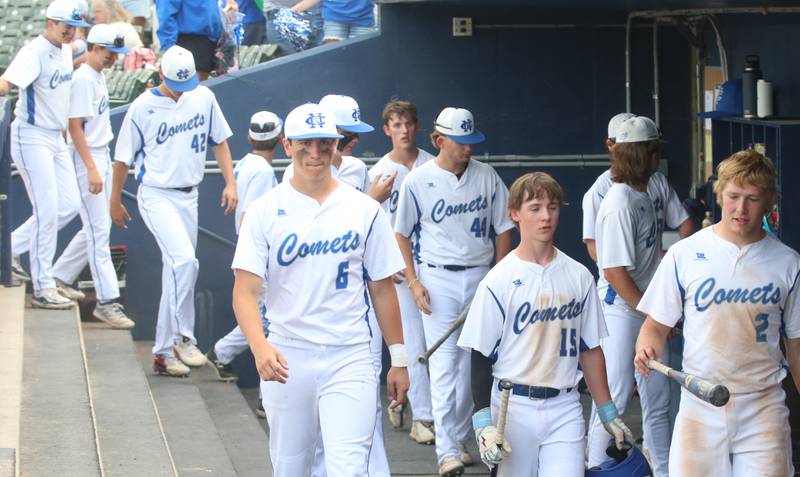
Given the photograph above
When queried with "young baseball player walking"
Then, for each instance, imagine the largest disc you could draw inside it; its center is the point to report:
(42, 70)
(89, 136)
(736, 288)
(176, 119)
(670, 212)
(254, 177)
(319, 379)
(400, 123)
(451, 204)
(536, 317)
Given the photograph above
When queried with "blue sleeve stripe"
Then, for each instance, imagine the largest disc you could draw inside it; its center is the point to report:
(369, 233)
(31, 104)
(678, 281)
(611, 295)
(500, 306)
(416, 204)
(494, 354)
(788, 294)
(142, 169)
(210, 124)
(584, 347)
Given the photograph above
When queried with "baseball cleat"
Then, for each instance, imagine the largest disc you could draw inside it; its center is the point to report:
(113, 314)
(67, 291)
(170, 366)
(466, 458)
(450, 467)
(223, 371)
(422, 432)
(18, 272)
(49, 298)
(187, 352)
(396, 415)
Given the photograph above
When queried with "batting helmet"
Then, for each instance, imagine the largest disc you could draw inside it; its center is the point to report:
(633, 465)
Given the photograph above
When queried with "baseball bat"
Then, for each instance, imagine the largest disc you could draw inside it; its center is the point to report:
(501, 416)
(714, 394)
(462, 317)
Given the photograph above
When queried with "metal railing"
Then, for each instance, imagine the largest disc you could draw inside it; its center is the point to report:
(5, 194)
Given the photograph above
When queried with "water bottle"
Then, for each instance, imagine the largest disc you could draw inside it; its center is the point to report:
(752, 73)
(707, 220)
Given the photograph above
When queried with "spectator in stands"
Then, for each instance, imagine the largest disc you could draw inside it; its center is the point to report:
(255, 24)
(343, 19)
(139, 11)
(112, 13)
(193, 24)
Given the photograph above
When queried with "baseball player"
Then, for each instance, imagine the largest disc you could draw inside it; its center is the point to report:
(319, 245)
(42, 70)
(400, 123)
(536, 317)
(345, 166)
(254, 177)
(451, 204)
(628, 252)
(668, 206)
(89, 135)
(176, 119)
(670, 212)
(736, 288)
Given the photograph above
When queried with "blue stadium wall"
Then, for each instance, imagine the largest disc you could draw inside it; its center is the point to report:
(533, 91)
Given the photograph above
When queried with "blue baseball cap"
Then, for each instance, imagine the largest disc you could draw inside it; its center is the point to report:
(458, 124)
(347, 113)
(179, 71)
(310, 121)
(729, 101)
(66, 11)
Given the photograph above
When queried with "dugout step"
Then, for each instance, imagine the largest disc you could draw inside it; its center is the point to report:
(57, 435)
(128, 428)
(193, 439)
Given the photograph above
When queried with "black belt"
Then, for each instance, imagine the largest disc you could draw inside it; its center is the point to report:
(454, 268)
(535, 392)
(185, 190)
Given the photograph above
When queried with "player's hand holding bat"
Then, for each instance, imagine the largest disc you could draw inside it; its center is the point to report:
(491, 443)
(271, 364)
(643, 355)
(609, 416)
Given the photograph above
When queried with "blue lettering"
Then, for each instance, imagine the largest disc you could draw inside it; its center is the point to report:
(441, 209)
(707, 294)
(58, 78)
(287, 255)
(568, 311)
(165, 132)
(393, 201)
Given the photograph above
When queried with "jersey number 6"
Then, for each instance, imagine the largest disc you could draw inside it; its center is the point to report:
(341, 277)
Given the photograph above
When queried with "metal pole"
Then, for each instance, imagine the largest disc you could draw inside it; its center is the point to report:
(5, 194)
(656, 106)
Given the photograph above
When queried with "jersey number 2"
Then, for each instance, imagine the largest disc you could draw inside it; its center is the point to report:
(478, 227)
(341, 277)
(573, 348)
(199, 142)
(761, 327)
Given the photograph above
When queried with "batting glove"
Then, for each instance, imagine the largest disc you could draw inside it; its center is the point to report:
(487, 436)
(609, 416)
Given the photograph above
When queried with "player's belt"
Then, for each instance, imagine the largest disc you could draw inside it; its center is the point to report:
(185, 190)
(535, 392)
(453, 268)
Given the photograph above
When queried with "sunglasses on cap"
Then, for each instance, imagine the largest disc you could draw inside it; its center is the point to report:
(263, 127)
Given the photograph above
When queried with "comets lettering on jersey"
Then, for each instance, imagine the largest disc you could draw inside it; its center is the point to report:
(571, 310)
(165, 132)
(441, 209)
(58, 78)
(763, 295)
(350, 240)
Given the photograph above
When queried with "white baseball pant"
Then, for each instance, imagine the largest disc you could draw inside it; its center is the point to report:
(91, 243)
(654, 392)
(378, 462)
(546, 435)
(329, 396)
(46, 169)
(419, 394)
(449, 366)
(171, 216)
(748, 436)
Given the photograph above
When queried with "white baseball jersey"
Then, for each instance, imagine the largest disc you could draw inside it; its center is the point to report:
(668, 207)
(254, 178)
(42, 72)
(168, 139)
(351, 171)
(453, 215)
(533, 322)
(316, 260)
(89, 99)
(627, 236)
(736, 303)
(386, 167)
